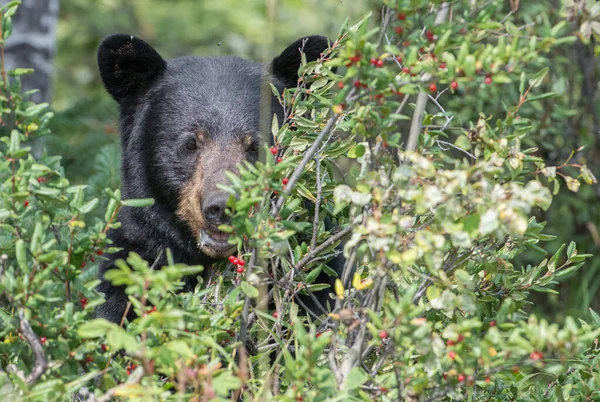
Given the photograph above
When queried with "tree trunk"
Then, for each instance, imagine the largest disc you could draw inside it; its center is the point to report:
(32, 44)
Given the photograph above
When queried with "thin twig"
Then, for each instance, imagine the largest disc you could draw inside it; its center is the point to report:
(246, 310)
(41, 363)
(313, 240)
(386, 14)
(554, 383)
(417, 120)
(440, 142)
(313, 253)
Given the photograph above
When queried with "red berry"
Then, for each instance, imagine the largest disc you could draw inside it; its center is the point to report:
(357, 84)
(374, 61)
(279, 160)
(26, 203)
(399, 59)
(82, 264)
(232, 259)
(488, 380)
(454, 85)
(461, 377)
(430, 36)
(536, 356)
(130, 368)
(406, 70)
(515, 369)
(452, 354)
(383, 334)
(492, 323)
(83, 301)
(319, 334)
(406, 43)
(89, 359)
(383, 390)
(43, 340)
(285, 181)
(488, 80)
(239, 270)
(104, 347)
(401, 16)
(275, 314)
(241, 263)
(99, 252)
(461, 338)
(355, 58)
(442, 65)
(379, 63)
(399, 30)
(432, 87)
(449, 342)
(340, 85)
(273, 150)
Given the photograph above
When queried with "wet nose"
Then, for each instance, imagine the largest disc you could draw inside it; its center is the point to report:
(213, 208)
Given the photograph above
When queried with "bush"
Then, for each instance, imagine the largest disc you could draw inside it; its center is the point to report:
(431, 304)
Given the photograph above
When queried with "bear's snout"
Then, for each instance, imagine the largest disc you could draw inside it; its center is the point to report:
(214, 206)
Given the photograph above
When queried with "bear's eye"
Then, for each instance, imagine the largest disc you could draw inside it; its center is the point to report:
(191, 144)
(253, 147)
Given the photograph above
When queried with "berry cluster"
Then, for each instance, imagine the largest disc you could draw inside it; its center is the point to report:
(238, 263)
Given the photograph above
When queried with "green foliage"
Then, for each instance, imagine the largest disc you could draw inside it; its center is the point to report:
(433, 303)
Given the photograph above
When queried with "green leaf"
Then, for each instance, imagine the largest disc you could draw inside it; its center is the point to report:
(554, 260)
(355, 379)
(94, 329)
(595, 318)
(542, 96)
(139, 202)
(571, 250)
(356, 152)
(226, 382)
(21, 255)
(537, 79)
(89, 206)
(302, 122)
(249, 290)
(180, 347)
(20, 71)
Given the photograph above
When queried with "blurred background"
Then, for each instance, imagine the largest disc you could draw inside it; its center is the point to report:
(59, 39)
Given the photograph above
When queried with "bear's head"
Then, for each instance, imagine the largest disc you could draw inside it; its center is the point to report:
(184, 123)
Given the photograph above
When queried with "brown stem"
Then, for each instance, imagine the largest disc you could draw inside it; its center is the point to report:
(41, 363)
(313, 253)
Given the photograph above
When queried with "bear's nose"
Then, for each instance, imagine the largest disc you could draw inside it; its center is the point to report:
(214, 208)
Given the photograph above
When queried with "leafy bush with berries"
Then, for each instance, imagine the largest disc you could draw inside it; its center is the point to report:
(429, 209)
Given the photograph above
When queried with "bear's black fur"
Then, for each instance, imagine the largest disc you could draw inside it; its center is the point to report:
(183, 123)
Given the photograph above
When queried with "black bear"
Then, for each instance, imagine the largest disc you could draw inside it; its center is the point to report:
(183, 123)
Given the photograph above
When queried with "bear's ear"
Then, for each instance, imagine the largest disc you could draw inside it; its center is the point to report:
(286, 65)
(127, 65)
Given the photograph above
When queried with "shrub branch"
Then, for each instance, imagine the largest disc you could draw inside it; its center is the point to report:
(41, 363)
